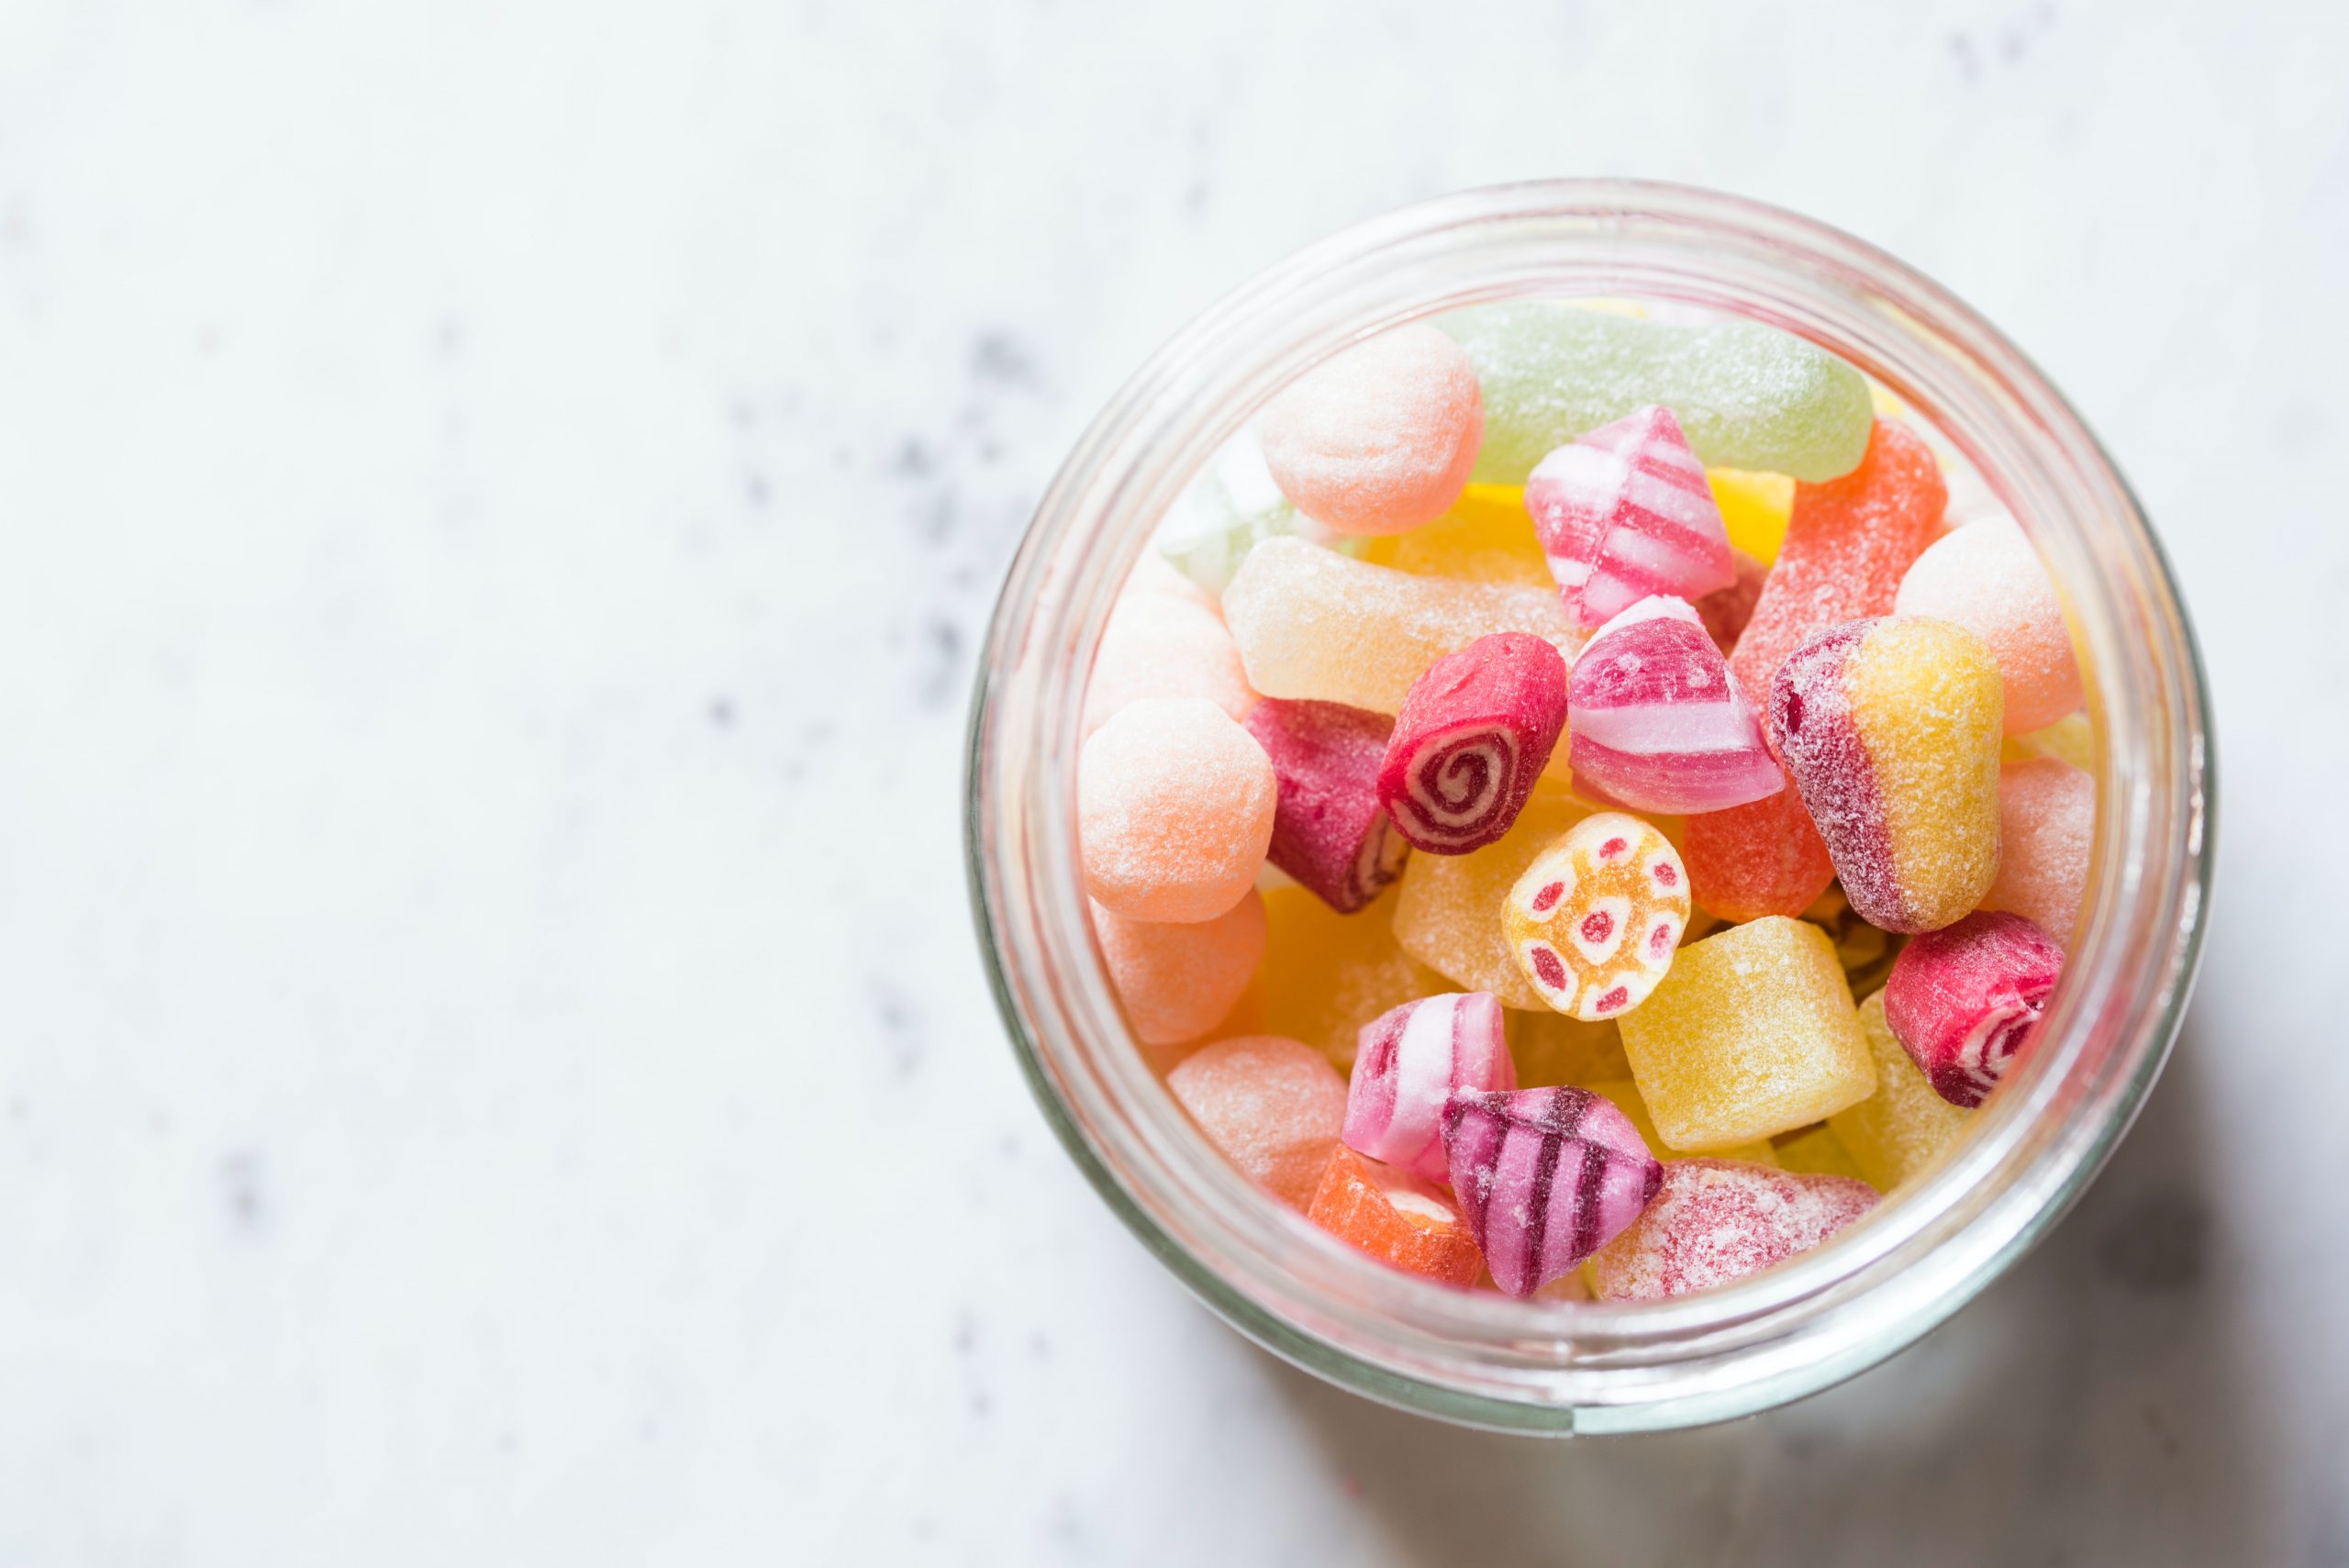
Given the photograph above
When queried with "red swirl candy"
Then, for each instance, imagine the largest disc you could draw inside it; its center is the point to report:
(1964, 1001)
(1475, 731)
(1330, 831)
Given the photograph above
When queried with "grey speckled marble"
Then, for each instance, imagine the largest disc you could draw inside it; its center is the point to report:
(498, 503)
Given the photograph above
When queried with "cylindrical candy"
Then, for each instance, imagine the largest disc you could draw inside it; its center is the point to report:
(1329, 830)
(1988, 579)
(1380, 438)
(1176, 982)
(1409, 1062)
(1596, 918)
(1272, 1107)
(1395, 1218)
(1474, 733)
(1714, 1222)
(1544, 1178)
(1890, 728)
(1657, 724)
(1623, 513)
(1964, 1001)
(1174, 810)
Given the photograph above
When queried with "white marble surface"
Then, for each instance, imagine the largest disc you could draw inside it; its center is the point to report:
(498, 502)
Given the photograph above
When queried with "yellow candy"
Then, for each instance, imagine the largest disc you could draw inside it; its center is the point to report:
(1487, 536)
(1626, 1096)
(1448, 912)
(1756, 507)
(1817, 1151)
(1896, 1132)
(1594, 920)
(2068, 740)
(1752, 1034)
(1550, 1048)
(1326, 975)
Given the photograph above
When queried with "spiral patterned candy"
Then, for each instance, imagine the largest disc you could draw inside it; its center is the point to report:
(1474, 733)
(1409, 1062)
(1964, 1001)
(1624, 513)
(1596, 918)
(1329, 830)
(1545, 1177)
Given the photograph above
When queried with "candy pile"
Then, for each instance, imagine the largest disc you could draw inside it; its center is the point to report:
(1528, 741)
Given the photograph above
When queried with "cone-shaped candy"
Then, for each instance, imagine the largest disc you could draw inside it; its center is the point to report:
(1624, 513)
(1657, 724)
(1544, 1178)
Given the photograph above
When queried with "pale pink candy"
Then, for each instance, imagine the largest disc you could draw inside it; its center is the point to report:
(1330, 832)
(1164, 639)
(1272, 1105)
(1174, 808)
(1175, 982)
(1964, 1001)
(1380, 439)
(1544, 1178)
(1624, 512)
(1988, 579)
(2046, 827)
(1409, 1062)
(1656, 723)
(1714, 1222)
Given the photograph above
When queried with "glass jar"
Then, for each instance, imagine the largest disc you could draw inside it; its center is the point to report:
(1564, 1367)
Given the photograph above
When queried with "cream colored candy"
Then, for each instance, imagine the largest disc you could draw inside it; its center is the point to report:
(1164, 639)
(1988, 579)
(1174, 810)
(1594, 922)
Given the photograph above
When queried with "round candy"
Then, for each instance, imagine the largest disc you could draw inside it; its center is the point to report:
(1162, 642)
(1988, 579)
(1596, 918)
(1381, 438)
(1177, 982)
(1272, 1105)
(1174, 810)
(2046, 831)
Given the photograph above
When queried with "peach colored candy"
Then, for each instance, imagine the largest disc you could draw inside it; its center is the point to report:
(1272, 1107)
(1174, 810)
(1395, 1218)
(2046, 825)
(1381, 438)
(1164, 639)
(1988, 579)
(1177, 982)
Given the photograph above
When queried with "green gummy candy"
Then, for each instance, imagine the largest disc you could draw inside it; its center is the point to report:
(1746, 397)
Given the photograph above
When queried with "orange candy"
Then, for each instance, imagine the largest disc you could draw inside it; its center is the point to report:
(1395, 1218)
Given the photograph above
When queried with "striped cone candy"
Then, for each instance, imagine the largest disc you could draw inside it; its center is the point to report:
(1410, 1061)
(1656, 723)
(1545, 1177)
(1474, 733)
(1624, 512)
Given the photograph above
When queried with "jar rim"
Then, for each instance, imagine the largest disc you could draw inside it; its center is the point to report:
(1577, 1365)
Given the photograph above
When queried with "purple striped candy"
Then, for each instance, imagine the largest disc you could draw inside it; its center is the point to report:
(1410, 1061)
(1545, 1177)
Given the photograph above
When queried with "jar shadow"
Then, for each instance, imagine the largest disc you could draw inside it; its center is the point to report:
(2087, 1406)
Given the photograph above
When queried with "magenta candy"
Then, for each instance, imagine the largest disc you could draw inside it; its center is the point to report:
(1477, 729)
(1965, 1000)
(1714, 1222)
(1657, 723)
(1330, 831)
(1545, 1177)
(1410, 1061)
(1624, 512)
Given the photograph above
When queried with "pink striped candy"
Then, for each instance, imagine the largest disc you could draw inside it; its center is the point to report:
(1410, 1061)
(1329, 830)
(1965, 1000)
(1477, 729)
(1545, 1177)
(1624, 512)
(1657, 724)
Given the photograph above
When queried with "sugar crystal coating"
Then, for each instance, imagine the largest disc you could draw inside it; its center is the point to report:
(1899, 1130)
(1988, 579)
(2046, 832)
(2071, 738)
(1747, 396)
(1230, 508)
(1543, 1177)
(1475, 731)
(1315, 624)
(1751, 1034)
(1594, 922)
(1272, 1107)
(1658, 724)
(1624, 1095)
(1448, 912)
(1380, 438)
(1327, 974)
(1966, 1001)
(1330, 831)
(1716, 1221)
(1395, 1218)
(1409, 1062)
(1623, 514)
(1174, 810)
(1177, 982)
(1163, 641)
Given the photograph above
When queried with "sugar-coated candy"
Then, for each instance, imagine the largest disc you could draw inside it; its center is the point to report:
(1174, 810)
(1330, 831)
(1395, 1218)
(1311, 624)
(1890, 728)
(1964, 1001)
(1988, 579)
(1714, 1222)
(1448, 910)
(1657, 723)
(1747, 396)
(1751, 1034)
(1594, 922)
(1272, 1107)
(1409, 1062)
(2046, 831)
(1379, 437)
(1164, 639)
(1623, 513)
(1624, 1095)
(1177, 982)
(2071, 738)
(1484, 537)
(1896, 1132)
(1474, 733)
(1544, 1178)
(1755, 508)
(1230, 508)
(1550, 1048)
(1725, 611)
(1816, 1150)
(1327, 974)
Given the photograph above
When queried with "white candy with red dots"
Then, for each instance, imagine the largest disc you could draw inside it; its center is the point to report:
(1596, 918)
